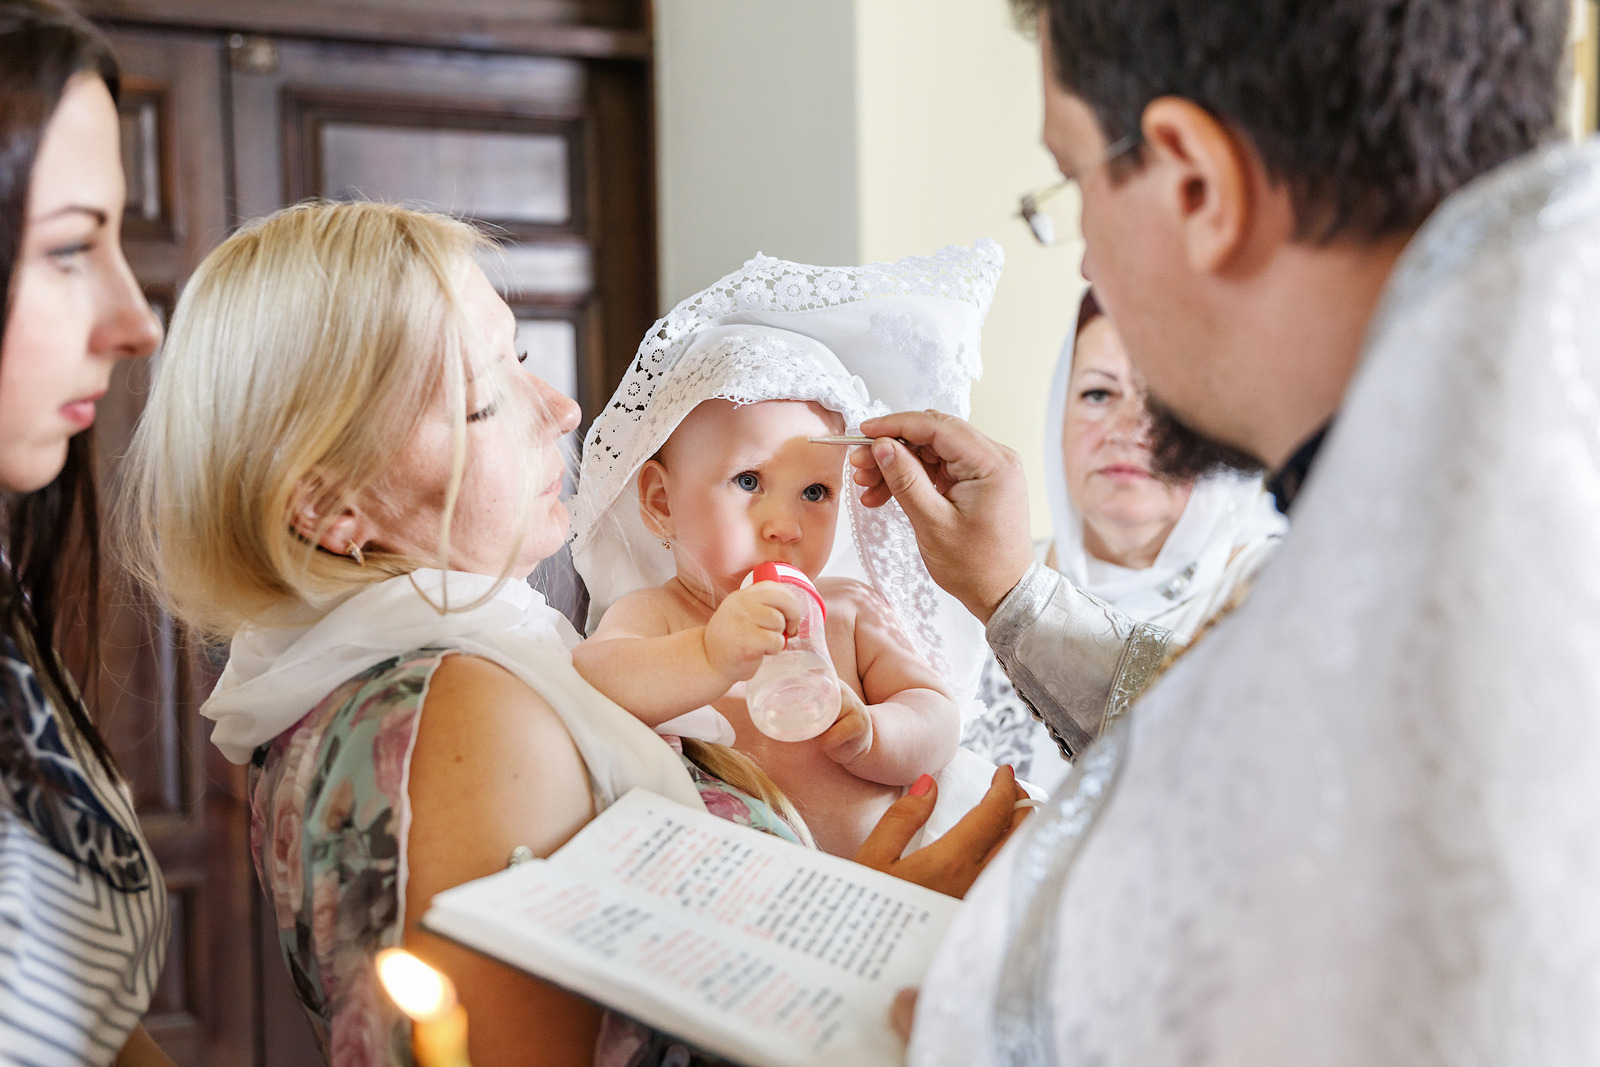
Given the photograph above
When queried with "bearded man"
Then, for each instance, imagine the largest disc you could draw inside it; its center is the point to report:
(1359, 822)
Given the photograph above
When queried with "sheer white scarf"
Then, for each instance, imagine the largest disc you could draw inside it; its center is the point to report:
(275, 676)
(1227, 516)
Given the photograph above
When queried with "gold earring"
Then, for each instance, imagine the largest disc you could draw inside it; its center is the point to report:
(666, 544)
(354, 552)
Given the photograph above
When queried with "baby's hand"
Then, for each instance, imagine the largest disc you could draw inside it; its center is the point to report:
(850, 737)
(748, 625)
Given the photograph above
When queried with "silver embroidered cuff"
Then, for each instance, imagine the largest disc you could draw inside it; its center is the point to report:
(1076, 661)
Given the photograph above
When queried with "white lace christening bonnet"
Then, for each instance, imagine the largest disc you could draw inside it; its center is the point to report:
(859, 341)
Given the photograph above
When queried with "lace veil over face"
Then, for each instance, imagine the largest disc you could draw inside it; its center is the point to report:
(860, 341)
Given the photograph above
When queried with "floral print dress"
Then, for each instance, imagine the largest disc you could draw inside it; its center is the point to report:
(329, 816)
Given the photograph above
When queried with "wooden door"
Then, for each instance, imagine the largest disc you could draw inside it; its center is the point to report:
(153, 677)
(551, 154)
(534, 149)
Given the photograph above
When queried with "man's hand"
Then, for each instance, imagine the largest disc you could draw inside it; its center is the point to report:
(964, 494)
(903, 1012)
(951, 864)
(849, 739)
(748, 625)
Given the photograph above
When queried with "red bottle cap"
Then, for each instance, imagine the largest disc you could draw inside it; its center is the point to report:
(783, 572)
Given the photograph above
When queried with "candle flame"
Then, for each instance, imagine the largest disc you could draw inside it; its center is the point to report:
(419, 990)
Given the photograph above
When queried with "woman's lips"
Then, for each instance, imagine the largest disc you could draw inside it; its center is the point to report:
(80, 412)
(1124, 472)
(554, 488)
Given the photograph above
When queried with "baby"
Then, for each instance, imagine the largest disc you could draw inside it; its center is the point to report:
(736, 485)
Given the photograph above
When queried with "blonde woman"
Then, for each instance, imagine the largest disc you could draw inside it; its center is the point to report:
(343, 470)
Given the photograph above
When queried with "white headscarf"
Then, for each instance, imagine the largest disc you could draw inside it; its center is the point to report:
(274, 676)
(857, 340)
(1360, 823)
(1226, 515)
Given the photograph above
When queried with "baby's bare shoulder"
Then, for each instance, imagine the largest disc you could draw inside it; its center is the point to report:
(858, 602)
(649, 612)
(847, 594)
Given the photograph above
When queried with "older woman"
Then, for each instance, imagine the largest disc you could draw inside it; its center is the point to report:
(343, 469)
(83, 911)
(1173, 554)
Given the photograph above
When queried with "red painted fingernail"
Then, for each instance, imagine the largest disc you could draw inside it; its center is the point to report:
(921, 786)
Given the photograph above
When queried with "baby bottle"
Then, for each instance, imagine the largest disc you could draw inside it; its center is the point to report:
(794, 695)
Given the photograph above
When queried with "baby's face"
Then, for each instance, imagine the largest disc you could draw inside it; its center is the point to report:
(744, 486)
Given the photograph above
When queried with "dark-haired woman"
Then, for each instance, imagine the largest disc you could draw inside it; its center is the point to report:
(83, 911)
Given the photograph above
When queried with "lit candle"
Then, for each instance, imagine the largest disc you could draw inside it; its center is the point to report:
(438, 1023)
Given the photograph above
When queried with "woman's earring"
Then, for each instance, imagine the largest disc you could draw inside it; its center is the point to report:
(354, 552)
(666, 544)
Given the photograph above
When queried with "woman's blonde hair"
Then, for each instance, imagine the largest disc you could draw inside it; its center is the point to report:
(303, 351)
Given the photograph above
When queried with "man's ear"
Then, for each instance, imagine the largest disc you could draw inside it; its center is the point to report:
(655, 507)
(1212, 183)
(347, 528)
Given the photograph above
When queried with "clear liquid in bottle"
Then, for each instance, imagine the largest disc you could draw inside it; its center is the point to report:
(794, 695)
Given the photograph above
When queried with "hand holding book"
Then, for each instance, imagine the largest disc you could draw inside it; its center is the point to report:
(735, 941)
(952, 863)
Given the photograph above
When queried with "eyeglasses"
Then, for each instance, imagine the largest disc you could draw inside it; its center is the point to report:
(1031, 209)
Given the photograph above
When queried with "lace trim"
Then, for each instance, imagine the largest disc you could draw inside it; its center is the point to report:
(889, 554)
(1141, 662)
(727, 371)
(767, 284)
(1022, 1030)
(662, 387)
(897, 331)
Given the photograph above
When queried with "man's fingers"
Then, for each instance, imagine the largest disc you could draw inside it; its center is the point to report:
(899, 825)
(905, 476)
(942, 442)
(877, 496)
(914, 427)
(988, 824)
(902, 1012)
(1018, 817)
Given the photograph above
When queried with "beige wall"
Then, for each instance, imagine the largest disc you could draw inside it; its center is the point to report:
(866, 130)
(755, 128)
(949, 103)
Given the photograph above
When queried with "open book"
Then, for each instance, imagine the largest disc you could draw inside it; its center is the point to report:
(738, 943)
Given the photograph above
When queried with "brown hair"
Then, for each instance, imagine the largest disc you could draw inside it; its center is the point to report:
(52, 535)
(1088, 311)
(1372, 111)
(256, 413)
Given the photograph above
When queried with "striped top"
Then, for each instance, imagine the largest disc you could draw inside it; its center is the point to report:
(83, 910)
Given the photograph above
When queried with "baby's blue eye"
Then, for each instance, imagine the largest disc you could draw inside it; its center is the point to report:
(815, 492)
(747, 481)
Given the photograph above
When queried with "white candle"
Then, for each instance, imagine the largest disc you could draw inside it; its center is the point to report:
(438, 1022)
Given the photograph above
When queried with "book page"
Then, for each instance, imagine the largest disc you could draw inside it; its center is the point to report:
(746, 945)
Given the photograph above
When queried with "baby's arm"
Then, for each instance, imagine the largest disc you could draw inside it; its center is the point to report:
(635, 659)
(910, 725)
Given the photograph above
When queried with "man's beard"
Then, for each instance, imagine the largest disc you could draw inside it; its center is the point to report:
(1180, 454)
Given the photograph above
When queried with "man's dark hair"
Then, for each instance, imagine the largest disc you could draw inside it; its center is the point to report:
(1373, 111)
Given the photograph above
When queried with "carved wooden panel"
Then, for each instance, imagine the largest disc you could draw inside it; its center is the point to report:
(502, 177)
(145, 113)
(153, 676)
(601, 29)
(532, 115)
(512, 141)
